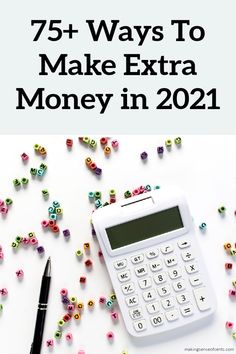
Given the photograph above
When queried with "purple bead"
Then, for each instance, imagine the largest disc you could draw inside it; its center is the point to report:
(160, 149)
(40, 249)
(65, 300)
(144, 155)
(66, 233)
(93, 232)
(98, 171)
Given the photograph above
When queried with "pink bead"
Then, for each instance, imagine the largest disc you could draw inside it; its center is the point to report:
(115, 144)
(4, 210)
(81, 352)
(135, 192)
(102, 300)
(44, 223)
(232, 292)
(0, 248)
(34, 241)
(64, 292)
(1, 202)
(100, 255)
(1, 256)
(20, 274)
(229, 324)
(50, 343)
(69, 337)
(110, 335)
(25, 240)
(24, 157)
(71, 307)
(141, 189)
(3, 292)
(115, 316)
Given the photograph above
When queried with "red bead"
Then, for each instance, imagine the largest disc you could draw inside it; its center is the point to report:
(228, 265)
(103, 141)
(82, 280)
(88, 263)
(51, 223)
(93, 166)
(69, 142)
(55, 229)
(67, 317)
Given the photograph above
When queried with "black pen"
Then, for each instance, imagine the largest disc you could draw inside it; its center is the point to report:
(42, 309)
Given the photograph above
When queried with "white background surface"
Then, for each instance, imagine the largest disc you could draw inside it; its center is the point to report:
(204, 168)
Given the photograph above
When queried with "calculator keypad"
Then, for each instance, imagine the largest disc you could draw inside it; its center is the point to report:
(162, 286)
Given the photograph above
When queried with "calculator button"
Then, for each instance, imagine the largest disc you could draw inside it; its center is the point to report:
(128, 288)
(155, 266)
(145, 283)
(137, 259)
(167, 249)
(124, 276)
(120, 264)
(152, 254)
(149, 295)
(175, 273)
(179, 285)
(160, 278)
(170, 261)
(186, 310)
(157, 320)
(140, 325)
(132, 300)
(202, 299)
(168, 303)
(191, 268)
(135, 314)
(164, 290)
(153, 308)
(140, 271)
(187, 256)
(195, 280)
(183, 244)
(183, 298)
(172, 315)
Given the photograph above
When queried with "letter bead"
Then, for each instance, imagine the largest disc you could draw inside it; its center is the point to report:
(114, 316)
(20, 274)
(69, 337)
(234, 283)
(102, 300)
(80, 306)
(109, 304)
(160, 150)
(113, 297)
(234, 335)
(127, 194)
(45, 193)
(98, 171)
(24, 157)
(66, 233)
(50, 343)
(69, 143)
(233, 251)
(16, 182)
(67, 317)
(8, 201)
(65, 300)
(103, 141)
(33, 171)
(44, 223)
(4, 210)
(115, 144)
(228, 265)
(232, 292)
(87, 246)
(203, 226)
(64, 292)
(40, 250)
(61, 323)
(144, 155)
(88, 161)
(97, 195)
(4, 292)
(55, 229)
(178, 141)
(82, 280)
(24, 180)
(93, 144)
(88, 263)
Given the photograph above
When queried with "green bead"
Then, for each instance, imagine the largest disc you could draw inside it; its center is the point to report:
(233, 251)
(15, 245)
(105, 204)
(61, 323)
(168, 143)
(8, 201)
(37, 147)
(124, 352)
(112, 193)
(56, 204)
(33, 171)
(221, 210)
(234, 335)
(93, 144)
(79, 253)
(148, 187)
(1, 307)
(24, 180)
(86, 140)
(97, 195)
(45, 193)
(19, 239)
(16, 182)
(73, 299)
(156, 187)
(43, 166)
(57, 334)
(53, 216)
(127, 194)
(178, 140)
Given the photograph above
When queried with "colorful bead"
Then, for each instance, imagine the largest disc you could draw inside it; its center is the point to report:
(98, 171)
(14, 245)
(69, 143)
(93, 144)
(168, 143)
(73, 299)
(203, 226)
(233, 251)
(58, 334)
(59, 211)
(55, 229)
(127, 194)
(1, 256)
(156, 187)
(45, 193)
(114, 316)
(229, 324)
(20, 274)
(234, 335)
(160, 150)
(86, 139)
(76, 316)
(109, 303)
(87, 246)
(80, 305)
(51, 223)
(91, 303)
(33, 241)
(228, 265)
(16, 182)
(91, 195)
(56, 204)
(70, 307)
(107, 150)
(42, 151)
(33, 171)
(19, 239)
(232, 292)
(112, 193)
(40, 250)
(110, 335)
(40, 172)
(97, 195)
(135, 191)
(93, 166)
(24, 156)
(65, 300)
(102, 300)
(64, 292)
(4, 210)
(61, 323)
(82, 280)
(69, 337)
(113, 297)
(8, 201)
(103, 141)
(98, 203)
(79, 253)
(50, 343)
(43, 166)
(25, 240)
(37, 147)
(227, 246)
(67, 317)
(1, 307)
(115, 144)
(148, 187)
(3, 292)
(53, 216)
(144, 155)
(88, 263)
(234, 283)
(178, 141)
(112, 200)
(66, 233)
(88, 161)
(44, 223)
(221, 210)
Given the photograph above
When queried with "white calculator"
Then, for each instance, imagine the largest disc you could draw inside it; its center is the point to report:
(154, 262)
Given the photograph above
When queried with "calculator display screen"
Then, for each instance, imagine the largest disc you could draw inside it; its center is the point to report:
(145, 227)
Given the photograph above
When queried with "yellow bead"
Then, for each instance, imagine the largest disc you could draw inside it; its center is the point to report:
(113, 297)
(227, 246)
(234, 283)
(233, 251)
(86, 246)
(73, 299)
(168, 143)
(80, 305)
(107, 150)
(91, 303)
(77, 316)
